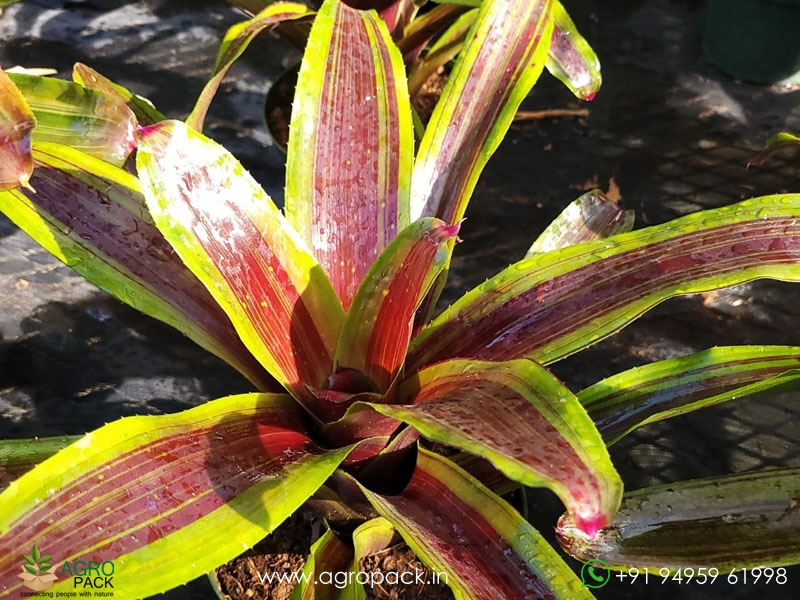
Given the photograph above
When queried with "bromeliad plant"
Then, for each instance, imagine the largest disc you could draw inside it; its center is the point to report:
(427, 39)
(389, 422)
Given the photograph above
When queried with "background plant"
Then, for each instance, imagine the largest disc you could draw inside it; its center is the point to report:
(428, 34)
(475, 361)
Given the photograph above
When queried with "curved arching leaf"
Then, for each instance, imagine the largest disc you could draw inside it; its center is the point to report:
(351, 145)
(231, 235)
(523, 420)
(91, 216)
(504, 56)
(551, 305)
(233, 45)
(572, 60)
(479, 545)
(667, 388)
(142, 491)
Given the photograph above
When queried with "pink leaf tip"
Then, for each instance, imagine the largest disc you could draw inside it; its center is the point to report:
(445, 232)
(590, 526)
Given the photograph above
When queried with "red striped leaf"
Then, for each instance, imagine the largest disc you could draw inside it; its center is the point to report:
(551, 305)
(377, 330)
(504, 56)
(233, 238)
(478, 544)
(91, 215)
(142, 491)
(351, 145)
(523, 420)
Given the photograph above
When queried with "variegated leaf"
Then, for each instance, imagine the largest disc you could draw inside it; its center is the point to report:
(141, 491)
(571, 58)
(234, 239)
(551, 305)
(142, 108)
(70, 114)
(524, 421)
(377, 330)
(16, 123)
(504, 57)
(91, 216)
(351, 145)
(474, 541)
(590, 217)
(667, 388)
(732, 523)
(235, 42)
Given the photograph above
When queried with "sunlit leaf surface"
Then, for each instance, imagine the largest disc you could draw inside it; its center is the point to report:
(91, 215)
(234, 239)
(551, 305)
(70, 114)
(664, 389)
(351, 145)
(524, 421)
(142, 491)
(16, 123)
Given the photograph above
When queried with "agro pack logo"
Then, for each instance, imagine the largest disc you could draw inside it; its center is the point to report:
(91, 574)
(38, 574)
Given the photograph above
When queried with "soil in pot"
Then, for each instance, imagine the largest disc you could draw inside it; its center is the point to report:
(285, 551)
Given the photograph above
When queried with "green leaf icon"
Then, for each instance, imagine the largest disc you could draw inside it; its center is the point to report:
(29, 560)
(45, 567)
(35, 553)
(45, 559)
(31, 570)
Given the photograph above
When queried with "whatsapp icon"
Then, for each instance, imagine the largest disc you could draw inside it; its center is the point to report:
(592, 576)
